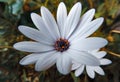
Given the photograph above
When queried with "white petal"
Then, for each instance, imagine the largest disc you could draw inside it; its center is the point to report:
(100, 54)
(37, 20)
(32, 47)
(72, 19)
(79, 71)
(50, 22)
(83, 57)
(30, 59)
(86, 18)
(92, 27)
(64, 64)
(90, 72)
(35, 35)
(99, 70)
(87, 44)
(46, 61)
(89, 28)
(61, 16)
(75, 66)
(105, 61)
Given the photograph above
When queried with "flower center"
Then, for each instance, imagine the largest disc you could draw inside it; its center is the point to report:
(61, 45)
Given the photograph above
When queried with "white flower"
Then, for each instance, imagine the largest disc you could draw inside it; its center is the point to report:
(62, 41)
(79, 68)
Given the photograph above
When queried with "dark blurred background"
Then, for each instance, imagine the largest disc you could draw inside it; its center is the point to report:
(17, 12)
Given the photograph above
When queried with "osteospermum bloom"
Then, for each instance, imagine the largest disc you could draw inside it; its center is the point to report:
(62, 41)
(79, 68)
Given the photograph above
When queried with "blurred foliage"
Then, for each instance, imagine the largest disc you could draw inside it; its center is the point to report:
(17, 12)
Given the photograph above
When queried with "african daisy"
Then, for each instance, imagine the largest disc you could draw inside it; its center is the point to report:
(62, 41)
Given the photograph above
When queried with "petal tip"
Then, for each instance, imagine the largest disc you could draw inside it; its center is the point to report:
(15, 46)
(92, 10)
(101, 20)
(32, 15)
(77, 75)
(22, 62)
(110, 62)
(78, 4)
(36, 68)
(106, 42)
(20, 27)
(43, 8)
(62, 3)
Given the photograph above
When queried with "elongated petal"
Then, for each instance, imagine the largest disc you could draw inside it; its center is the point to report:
(61, 16)
(46, 61)
(92, 27)
(105, 61)
(86, 18)
(88, 44)
(32, 47)
(64, 64)
(89, 28)
(72, 19)
(30, 59)
(83, 57)
(99, 70)
(35, 35)
(84, 21)
(39, 23)
(90, 72)
(79, 71)
(50, 23)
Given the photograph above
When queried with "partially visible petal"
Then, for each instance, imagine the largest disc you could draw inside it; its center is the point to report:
(50, 23)
(30, 59)
(75, 66)
(61, 16)
(64, 64)
(87, 44)
(99, 70)
(32, 47)
(83, 57)
(35, 35)
(79, 71)
(105, 61)
(90, 72)
(46, 61)
(84, 21)
(72, 19)
(99, 54)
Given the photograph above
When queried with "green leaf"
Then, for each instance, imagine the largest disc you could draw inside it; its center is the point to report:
(76, 79)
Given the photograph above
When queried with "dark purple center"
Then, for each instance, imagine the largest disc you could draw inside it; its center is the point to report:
(61, 45)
